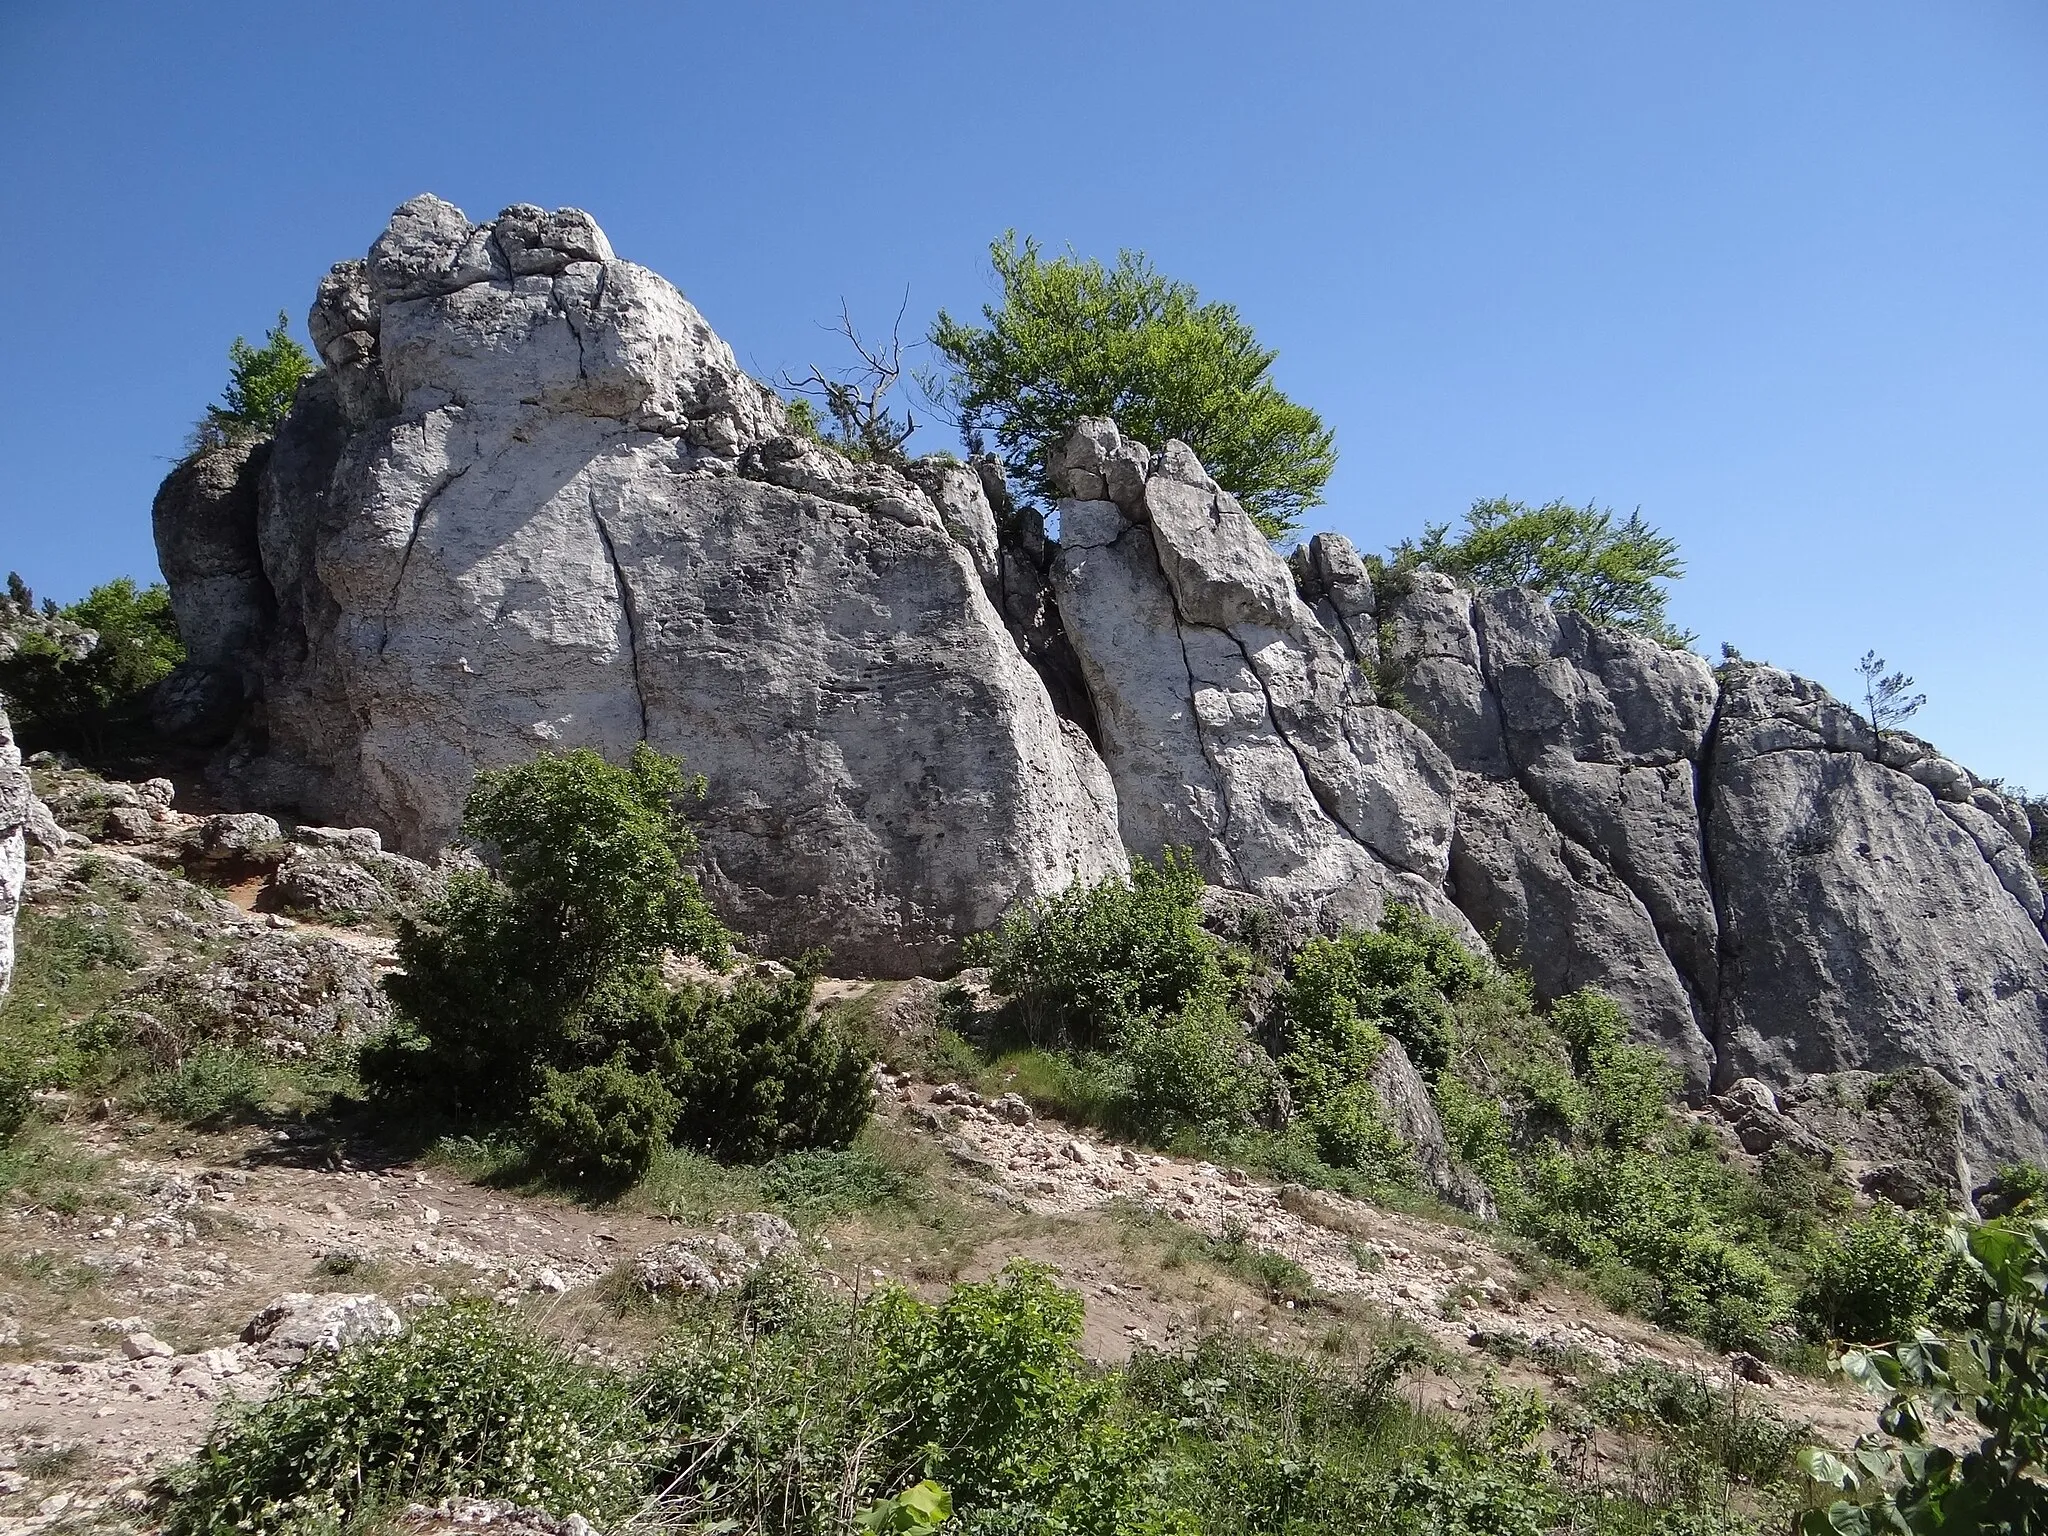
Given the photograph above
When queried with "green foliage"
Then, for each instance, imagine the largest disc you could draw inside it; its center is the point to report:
(1911, 1481)
(498, 976)
(988, 1394)
(819, 1184)
(1745, 1440)
(1083, 965)
(601, 1126)
(1569, 1124)
(1195, 1068)
(788, 1410)
(1575, 556)
(917, 1508)
(764, 1076)
(1343, 998)
(213, 1084)
(1871, 1282)
(262, 383)
(1401, 979)
(531, 993)
(65, 692)
(466, 1403)
(1074, 338)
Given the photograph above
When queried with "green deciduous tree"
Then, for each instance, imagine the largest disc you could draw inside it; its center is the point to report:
(262, 383)
(513, 969)
(66, 689)
(1073, 338)
(1576, 556)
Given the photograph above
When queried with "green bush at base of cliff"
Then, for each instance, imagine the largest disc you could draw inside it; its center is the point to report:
(531, 996)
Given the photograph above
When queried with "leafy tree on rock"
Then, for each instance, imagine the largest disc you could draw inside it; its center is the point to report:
(1073, 338)
(78, 676)
(1576, 556)
(262, 383)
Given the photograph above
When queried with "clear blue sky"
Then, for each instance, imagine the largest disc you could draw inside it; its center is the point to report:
(1777, 274)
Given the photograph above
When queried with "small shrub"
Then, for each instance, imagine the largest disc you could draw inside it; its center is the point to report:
(467, 1403)
(1870, 1283)
(765, 1075)
(590, 890)
(1403, 978)
(213, 1084)
(818, 1185)
(1084, 965)
(600, 1126)
(1195, 1068)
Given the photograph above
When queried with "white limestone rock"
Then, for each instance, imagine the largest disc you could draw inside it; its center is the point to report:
(540, 506)
(1231, 721)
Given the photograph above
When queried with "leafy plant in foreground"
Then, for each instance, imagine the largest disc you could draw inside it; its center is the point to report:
(466, 1403)
(1916, 1484)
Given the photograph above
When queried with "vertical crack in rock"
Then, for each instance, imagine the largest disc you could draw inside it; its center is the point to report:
(1181, 626)
(1315, 790)
(1705, 1019)
(604, 535)
(419, 519)
(1703, 808)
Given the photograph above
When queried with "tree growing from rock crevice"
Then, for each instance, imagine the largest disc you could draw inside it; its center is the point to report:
(262, 383)
(1578, 557)
(1074, 338)
(1888, 699)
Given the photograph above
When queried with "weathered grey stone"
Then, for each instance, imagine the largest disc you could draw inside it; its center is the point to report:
(2007, 857)
(1334, 582)
(1604, 728)
(299, 1323)
(315, 882)
(1411, 1115)
(1861, 925)
(204, 520)
(578, 522)
(1553, 908)
(1231, 721)
(285, 994)
(1898, 1134)
(17, 797)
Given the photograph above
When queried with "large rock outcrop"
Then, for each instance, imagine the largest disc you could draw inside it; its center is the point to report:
(1231, 720)
(1769, 890)
(534, 502)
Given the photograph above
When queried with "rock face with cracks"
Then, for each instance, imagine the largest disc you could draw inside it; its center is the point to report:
(532, 502)
(1768, 889)
(16, 801)
(1231, 720)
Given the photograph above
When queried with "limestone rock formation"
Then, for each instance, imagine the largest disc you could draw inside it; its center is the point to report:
(16, 798)
(534, 502)
(1231, 721)
(1862, 926)
(1767, 889)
